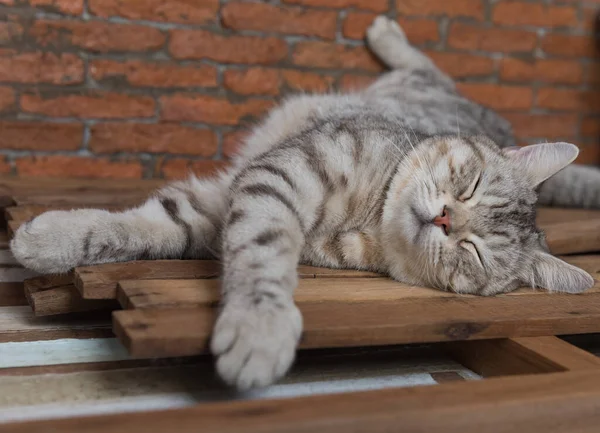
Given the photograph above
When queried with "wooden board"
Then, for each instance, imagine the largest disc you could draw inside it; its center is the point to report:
(550, 403)
(27, 212)
(550, 215)
(83, 199)
(63, 300)
(181, 332)
(100, 282)
(573, 237)
(526, 355)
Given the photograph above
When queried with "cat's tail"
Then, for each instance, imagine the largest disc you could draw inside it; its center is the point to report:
(574, 186)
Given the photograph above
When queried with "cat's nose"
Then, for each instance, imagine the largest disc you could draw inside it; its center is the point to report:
(443, 221)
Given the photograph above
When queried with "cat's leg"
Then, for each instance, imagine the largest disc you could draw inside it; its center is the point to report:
(574, 186)
(181, 220)
(274, 203)
(387, 39)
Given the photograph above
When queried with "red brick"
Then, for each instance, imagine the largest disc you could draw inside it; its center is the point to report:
(356, 24)
(232, 141)
(158, 138)
(569, 45)
(589, 154)
(590, 127)
(40, 136)
(41, 68)
(460, 65)
(332, 56)
(420, 30)
(154, 74)
(568, 99)
(70, 7)
(469, 37)
(219, 111)
(371, 5)
(498, 97)
(548, 71)
(96, 36)
(253, 81)
(181, 168)
(588, 18)
(7, 99)
(549, 126)
(77, 167)
(173, 11)
(454, 8)
(282, 19)
(101, 105)
(5, 167)
(517, 13)
(351, 82)
(10, 32)
(202, 44)
(307, 81)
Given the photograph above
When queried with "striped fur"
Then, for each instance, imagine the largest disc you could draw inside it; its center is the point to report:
(343, 181)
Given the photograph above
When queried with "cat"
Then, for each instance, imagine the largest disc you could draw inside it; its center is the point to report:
(406, 177)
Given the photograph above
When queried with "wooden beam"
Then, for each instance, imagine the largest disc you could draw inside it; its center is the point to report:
(526, 355)
(400, 320)
(100, 282)
(550, 215)
(573, 236)
(549, 403)
(63, 300)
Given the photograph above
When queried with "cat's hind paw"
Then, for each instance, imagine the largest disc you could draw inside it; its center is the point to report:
(256, 344)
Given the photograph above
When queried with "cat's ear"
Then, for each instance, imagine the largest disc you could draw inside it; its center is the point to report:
(555, 275)
(541, 161)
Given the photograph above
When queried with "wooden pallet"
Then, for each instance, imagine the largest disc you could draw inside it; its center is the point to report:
(165, 309)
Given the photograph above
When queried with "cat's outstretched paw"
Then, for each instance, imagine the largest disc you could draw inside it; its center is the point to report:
(256, 344)
(55, 241)
(385, 31)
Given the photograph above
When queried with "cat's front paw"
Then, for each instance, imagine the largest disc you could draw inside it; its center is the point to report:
(53, 242)
(385, 30)
(255, 344)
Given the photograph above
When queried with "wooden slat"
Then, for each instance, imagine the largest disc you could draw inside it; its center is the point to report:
(27, 212)
(526, 355)
(550, 215)
(12, 294)
(19, 324)
(573, 237)
(181, 332)
(190, 293)
(100, 282)
(550, 403)
(4, 239)
(83, 199)
(63, 300)
(45, 282)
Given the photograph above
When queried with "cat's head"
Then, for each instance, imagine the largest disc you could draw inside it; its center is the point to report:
(460, 216)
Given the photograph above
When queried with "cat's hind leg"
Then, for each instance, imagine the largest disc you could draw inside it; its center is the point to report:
(181, 220)
(387, 39)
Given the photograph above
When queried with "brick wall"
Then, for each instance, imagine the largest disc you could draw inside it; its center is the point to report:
(153, 88)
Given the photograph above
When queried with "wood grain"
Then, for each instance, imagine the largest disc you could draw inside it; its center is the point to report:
(63, 300)
(100, 282)
(573, 236)
(550, 403)
(182, 332)
(526, 355)
(19, 324)
(550, 215)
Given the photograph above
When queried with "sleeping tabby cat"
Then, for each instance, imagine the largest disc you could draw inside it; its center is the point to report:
(406, 178)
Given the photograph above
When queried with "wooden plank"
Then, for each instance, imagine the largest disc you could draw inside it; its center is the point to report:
(45, 282)
(130, 198)
(12, 294)
(182, 332)
(64, 300)
(573, 237)
(526, 355)
(192, 293)
(19, 324)
(550, 403)
(27, 212)
(100, 282)
(550, 215)
(4, 239)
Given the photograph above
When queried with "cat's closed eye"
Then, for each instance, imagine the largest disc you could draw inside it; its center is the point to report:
(471, 248)
(468, 194)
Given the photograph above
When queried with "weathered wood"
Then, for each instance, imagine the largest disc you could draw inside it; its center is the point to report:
(45, 282)
(526, 355)
(550, 403)
(63, 300)
(192, 293)
(19, 324)
(100, 282)
(573, 237)
(181, 332)
(550, 215)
